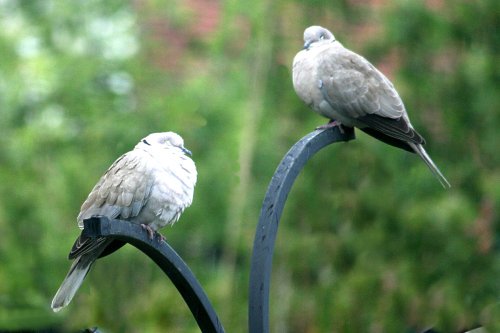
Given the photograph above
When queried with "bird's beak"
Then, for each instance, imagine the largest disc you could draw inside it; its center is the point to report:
(307, 44)
(187, 151)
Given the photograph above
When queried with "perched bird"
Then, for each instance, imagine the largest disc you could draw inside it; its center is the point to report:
(150, 185)
(344, 87)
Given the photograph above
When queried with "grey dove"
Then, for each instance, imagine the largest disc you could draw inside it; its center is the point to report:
(344, 87)
(150, 185)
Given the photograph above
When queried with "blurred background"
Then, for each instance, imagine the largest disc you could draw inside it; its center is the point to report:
(369, 240)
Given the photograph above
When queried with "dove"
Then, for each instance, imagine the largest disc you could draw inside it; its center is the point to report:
(150, 185)
(343, 86)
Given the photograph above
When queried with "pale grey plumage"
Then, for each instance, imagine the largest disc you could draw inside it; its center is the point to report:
(343, 86)
(150, 185)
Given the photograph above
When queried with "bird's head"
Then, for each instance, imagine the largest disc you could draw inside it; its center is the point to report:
(164, 140)
(315, 35)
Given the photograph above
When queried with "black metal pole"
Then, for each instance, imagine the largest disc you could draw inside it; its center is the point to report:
(274, 201)
(167, 259)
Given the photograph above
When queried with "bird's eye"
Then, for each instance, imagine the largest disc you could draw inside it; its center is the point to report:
(322, 37)
(144, 141)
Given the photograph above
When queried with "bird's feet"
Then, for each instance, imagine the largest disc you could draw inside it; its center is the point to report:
(150, 231)
(330, 124)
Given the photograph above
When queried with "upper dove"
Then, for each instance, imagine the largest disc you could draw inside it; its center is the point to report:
(150, 185)
(344, 87)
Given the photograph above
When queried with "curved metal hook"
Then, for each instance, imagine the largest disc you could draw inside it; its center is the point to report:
(167, 259)
(270, 214)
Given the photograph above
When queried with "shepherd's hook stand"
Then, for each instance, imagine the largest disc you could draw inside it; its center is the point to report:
(167, 259)
(270, 214)
(260, 272)
(263, 247)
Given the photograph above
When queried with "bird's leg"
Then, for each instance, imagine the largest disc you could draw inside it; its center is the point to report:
(332, 123)
(150, 231)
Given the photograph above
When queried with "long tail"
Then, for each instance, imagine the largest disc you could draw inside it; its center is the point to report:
(74, 278)
(430, 164)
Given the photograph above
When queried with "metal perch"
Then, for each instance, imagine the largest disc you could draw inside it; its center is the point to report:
(261, 263)
(167, 259)
(270, 214)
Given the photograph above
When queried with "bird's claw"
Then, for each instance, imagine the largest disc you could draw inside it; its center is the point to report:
(330, 124)
(150, 231)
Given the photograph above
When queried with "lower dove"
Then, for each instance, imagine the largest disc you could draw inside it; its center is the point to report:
(150, 185)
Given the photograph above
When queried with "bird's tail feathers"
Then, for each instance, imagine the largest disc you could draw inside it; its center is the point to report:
(430, 164)
(72, 281)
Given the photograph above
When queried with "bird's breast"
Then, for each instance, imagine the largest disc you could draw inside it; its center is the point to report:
(308, 83)
(304, 75)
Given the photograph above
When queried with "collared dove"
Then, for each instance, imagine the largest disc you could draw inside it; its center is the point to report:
(344, 87)
(150, 185)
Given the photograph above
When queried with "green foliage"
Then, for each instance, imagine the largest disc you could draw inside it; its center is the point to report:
(369, 241)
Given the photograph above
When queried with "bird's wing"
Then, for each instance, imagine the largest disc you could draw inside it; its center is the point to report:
(123, 190)
(355, 86)
(356, 89)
